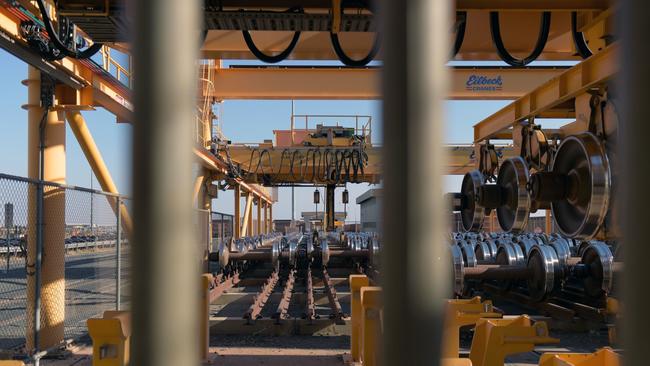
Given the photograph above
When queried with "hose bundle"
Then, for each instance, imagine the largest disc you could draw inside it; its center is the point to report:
(328, 165)
(542, 38)
(66, 29)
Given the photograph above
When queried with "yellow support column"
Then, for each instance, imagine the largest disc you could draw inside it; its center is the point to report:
(548, 222)
(371, 328)
(249, 207)
(265, 226)
(356, 283)
(94, 157)
(270, 217)
(259, 216)
(247, 226)
(53, 264)
(491, 218)
(237, 218)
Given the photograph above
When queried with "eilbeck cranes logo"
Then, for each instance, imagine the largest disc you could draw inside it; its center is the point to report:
(484, 83)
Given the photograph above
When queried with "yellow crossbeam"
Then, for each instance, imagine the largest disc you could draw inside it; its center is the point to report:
(493, 83)
(594, 71)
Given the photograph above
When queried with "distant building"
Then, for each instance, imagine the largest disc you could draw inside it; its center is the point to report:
(370, 207)
(9, 215)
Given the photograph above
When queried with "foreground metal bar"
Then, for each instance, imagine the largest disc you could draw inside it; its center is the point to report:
(335, 305)
(415, 276)
(634, 203)
(261, 298)
(283, 308)
(165, 325)
(118, 255)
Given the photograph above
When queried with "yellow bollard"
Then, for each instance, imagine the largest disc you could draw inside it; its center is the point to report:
(204, 317)
(371, 326)
(461, 312)
(603, 357)
(494, 339)
(356, 283)
(111, 337)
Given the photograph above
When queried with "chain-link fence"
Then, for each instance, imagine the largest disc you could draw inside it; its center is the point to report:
(68, 240)
(222, 231)
(222, 226)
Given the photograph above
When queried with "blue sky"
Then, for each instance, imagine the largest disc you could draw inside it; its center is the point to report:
(246, 121)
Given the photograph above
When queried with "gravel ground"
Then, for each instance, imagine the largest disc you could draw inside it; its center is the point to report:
(329, 350)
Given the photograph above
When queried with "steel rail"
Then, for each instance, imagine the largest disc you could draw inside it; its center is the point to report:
(335, 305)
(219, 287)
(282, 312)
(261, 298)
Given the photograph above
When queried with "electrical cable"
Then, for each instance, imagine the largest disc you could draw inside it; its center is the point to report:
(89, 52)
(461, 23)
(280, 56)
(579, 38)
(347, 60)
(542, 38)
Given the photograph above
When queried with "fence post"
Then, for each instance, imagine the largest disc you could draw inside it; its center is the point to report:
(118, 260)
(7, 242)
(37, 267)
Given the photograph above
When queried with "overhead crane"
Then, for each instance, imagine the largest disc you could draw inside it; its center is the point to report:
(234, 30)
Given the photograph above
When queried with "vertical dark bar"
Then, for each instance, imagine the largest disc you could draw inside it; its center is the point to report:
(165, 325)
(634, 133)
(415, 274)
(118, 255)
(330, 211)
(37, 268)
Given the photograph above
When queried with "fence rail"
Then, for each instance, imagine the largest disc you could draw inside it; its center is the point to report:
(93, 251)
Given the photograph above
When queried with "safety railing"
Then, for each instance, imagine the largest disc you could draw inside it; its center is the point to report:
(362, 123)
(70, 240)
(204, 114)
(114, 67)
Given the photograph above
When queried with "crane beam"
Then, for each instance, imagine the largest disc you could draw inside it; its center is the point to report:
(468, 83)
(91, 86)
(594, 71)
